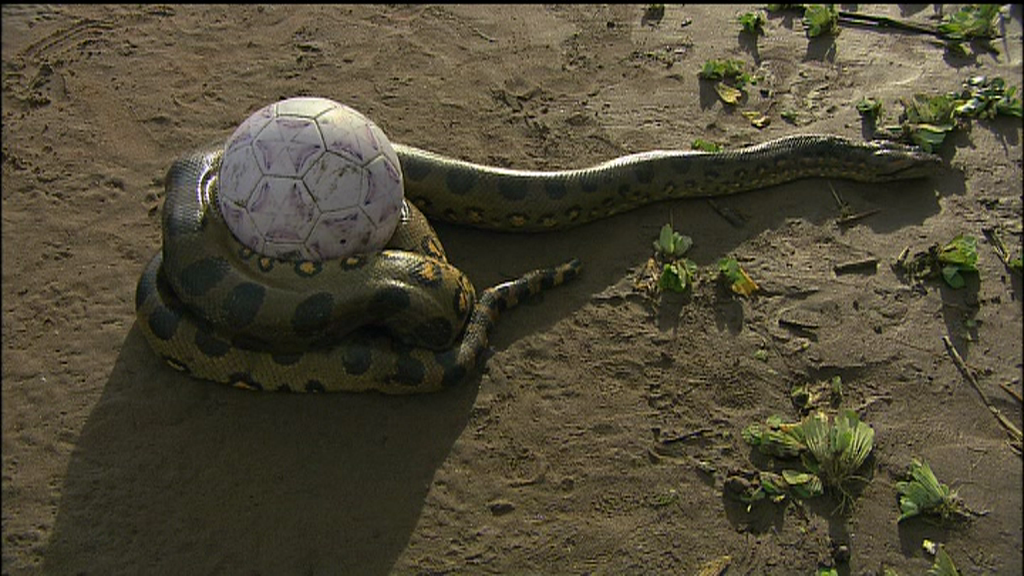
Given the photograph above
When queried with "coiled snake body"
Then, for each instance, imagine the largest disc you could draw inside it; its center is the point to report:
(404, 319)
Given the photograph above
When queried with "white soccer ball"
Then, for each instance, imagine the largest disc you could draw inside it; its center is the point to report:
(310, 179)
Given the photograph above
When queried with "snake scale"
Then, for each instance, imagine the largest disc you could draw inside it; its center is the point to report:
(404, 319)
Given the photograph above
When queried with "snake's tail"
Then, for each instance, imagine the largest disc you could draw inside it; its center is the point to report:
(492, 302)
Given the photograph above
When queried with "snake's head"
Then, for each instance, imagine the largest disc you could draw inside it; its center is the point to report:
(895, 161)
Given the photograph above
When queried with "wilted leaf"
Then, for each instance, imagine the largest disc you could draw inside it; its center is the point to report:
(757, 119)
(737, 278)
(728, 94)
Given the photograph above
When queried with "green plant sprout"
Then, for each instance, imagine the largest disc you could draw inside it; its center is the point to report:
(821, 19)
(830, 451)
(678, 273)
(924, 494)
(752, 23)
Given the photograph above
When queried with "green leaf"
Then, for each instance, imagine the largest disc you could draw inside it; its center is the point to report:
(961, 251)
(803, 485)
(705, 145)
(869, 108)
(929, 136)
(672, 244)
(821, 19)
(972, 21)
(678, 276)
(725, 69)
(775, 438)
(737, 278)
(924, 494)
(943, 564)
(952, 276)
(752, 23)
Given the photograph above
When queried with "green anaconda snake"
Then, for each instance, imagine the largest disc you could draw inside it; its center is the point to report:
(404, 319)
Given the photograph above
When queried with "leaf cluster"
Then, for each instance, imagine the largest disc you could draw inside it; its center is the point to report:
(752, 23)
(869, 108)
(729, 77)
(972, 21)
(821, 19)
(924, 494)
(831, 451)
(951, 261)
(678, 273)
(927, 119)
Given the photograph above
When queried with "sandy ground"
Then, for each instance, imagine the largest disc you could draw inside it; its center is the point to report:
(599, 436)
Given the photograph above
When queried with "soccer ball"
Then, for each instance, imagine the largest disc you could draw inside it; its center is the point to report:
(310, 179)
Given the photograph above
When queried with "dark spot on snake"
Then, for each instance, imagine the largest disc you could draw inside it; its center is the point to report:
(427, 273)
(313, 313)
(421, 202)
(589, 183)
(501, 299)
(408, 371)
(624, 190)
(388, 302)
(432, 247)
(244, 380)
(314, 386)
(644, 173)
(163, 322)
(461, 301)
(414, 170)
(512, 188)
(435, 333)
(460, 181)
(453, 372)
(211, 345)
(680, 164)
(248, 342)
(199, 277)
(284, 389)
(286, 359)
(712, 174)
(243, 303)
(356, 357)
(308, 268)
(555, 189)
(549, 279)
